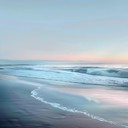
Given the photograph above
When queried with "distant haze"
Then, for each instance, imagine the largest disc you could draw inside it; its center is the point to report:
(89, 30)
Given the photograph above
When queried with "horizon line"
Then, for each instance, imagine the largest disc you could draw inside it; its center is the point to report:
(84, 61)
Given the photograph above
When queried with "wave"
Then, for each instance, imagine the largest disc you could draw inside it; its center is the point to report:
(84, 75)
(34, 94)
(119, 71)
(66, 76)
(109, 72)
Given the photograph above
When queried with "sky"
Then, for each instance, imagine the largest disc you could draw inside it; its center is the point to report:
(88, 30)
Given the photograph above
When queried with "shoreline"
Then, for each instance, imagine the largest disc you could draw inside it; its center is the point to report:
(19, 109)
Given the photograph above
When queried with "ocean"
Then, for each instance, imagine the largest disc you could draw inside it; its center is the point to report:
(98, 91)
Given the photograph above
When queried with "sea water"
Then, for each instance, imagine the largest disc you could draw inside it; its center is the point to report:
(99, 91)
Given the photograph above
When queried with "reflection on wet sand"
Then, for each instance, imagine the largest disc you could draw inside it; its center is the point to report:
(107, 96)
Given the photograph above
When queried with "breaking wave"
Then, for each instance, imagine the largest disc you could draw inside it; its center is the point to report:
(109, 72)
(105, 75)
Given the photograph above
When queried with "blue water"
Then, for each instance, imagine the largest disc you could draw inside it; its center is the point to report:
(75, 75)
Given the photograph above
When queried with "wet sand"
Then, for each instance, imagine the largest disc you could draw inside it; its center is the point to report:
(19, 110)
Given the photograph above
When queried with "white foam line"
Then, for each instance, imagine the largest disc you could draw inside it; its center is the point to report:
(57, 105)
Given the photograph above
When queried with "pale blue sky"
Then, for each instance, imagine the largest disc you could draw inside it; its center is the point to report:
(64, 29)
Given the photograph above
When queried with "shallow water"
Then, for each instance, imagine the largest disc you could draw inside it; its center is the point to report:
(96, 102)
